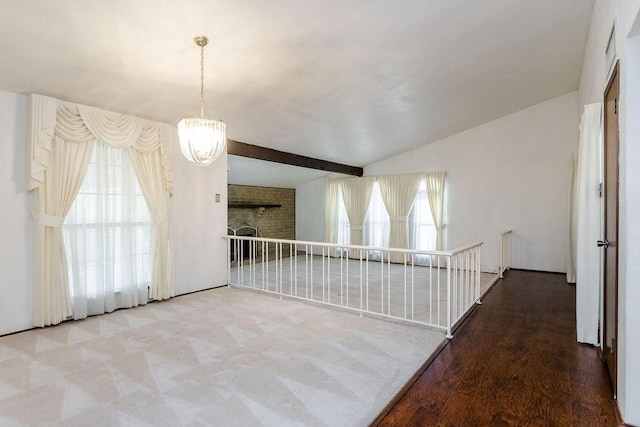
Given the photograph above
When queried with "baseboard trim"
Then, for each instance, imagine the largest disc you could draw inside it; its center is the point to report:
(537, 271)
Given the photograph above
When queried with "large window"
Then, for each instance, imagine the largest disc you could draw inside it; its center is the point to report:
(421, 228)
(376, 223)
(108, 237)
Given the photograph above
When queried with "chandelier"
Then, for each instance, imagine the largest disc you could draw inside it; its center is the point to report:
(202, 140)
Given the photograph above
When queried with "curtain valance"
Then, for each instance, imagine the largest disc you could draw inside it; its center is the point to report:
(76, 123)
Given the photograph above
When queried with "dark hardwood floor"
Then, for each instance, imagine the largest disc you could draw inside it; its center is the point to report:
(515, 361)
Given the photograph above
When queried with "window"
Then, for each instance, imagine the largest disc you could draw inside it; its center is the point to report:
(377, 222)
(422, 230)
(108, 237)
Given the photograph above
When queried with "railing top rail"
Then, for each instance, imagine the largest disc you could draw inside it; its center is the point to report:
(464, 248)
(370, 248)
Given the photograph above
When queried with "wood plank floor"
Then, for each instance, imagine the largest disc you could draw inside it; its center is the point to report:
(515, 361)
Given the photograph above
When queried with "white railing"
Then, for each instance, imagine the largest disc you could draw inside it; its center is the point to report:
(505, 252)
(432, 288)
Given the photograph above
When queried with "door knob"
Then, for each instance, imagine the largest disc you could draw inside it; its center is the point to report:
(603, 243)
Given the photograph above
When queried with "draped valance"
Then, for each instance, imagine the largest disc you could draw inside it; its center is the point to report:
(51, 118)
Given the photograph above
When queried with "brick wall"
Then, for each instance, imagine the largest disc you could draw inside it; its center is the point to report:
(275, 222)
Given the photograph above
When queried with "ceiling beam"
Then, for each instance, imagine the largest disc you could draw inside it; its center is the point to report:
(243, 149)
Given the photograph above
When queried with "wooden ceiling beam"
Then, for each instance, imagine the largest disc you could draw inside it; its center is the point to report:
(243, 149)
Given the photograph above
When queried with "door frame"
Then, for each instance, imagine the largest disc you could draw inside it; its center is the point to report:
(615, 74)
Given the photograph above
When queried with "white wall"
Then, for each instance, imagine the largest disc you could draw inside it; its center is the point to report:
(511, 173)
(592, 85)
(198, 222)
(310, 211)
(16, 282)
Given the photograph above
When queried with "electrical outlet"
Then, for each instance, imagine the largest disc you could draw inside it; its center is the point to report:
(217, 198)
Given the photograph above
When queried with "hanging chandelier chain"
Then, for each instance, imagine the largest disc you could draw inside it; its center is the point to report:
(201, 79)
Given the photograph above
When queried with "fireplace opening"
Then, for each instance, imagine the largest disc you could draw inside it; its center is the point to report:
(242, 249)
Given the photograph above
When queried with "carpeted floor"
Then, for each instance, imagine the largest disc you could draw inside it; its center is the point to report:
(221, 357)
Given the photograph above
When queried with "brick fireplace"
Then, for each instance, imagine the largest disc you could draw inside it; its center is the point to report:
(271, 210)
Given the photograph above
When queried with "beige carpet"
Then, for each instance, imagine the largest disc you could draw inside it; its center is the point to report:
(221, 357)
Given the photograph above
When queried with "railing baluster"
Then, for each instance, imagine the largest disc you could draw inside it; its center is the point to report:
(328, 260)
(448, 280)
(347, 258)
(341, 277)
(413, 295)
(290, 269)
(389, 285)
(361, 283)
(405, 284)
(311, 269)
(367, 275)
(382, 286)
(431, 289)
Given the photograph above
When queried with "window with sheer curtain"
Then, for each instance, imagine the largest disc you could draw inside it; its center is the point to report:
(108, 236)
(422, 230)
(421, 227)
(344, 228)
(376, 223)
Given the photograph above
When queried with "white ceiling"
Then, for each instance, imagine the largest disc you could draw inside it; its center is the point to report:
(347, 81)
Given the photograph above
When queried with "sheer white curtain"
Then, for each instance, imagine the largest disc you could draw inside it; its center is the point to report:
(108, 237)
(588, 272)
(434, 183)
(144, 140)
(344, 228)
(331, 205)
(61, 138)
(422, 230)
(356, 193)
(376, 223)
(398, 193)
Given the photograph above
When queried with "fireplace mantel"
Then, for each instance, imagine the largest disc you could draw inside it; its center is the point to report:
(253, 205)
